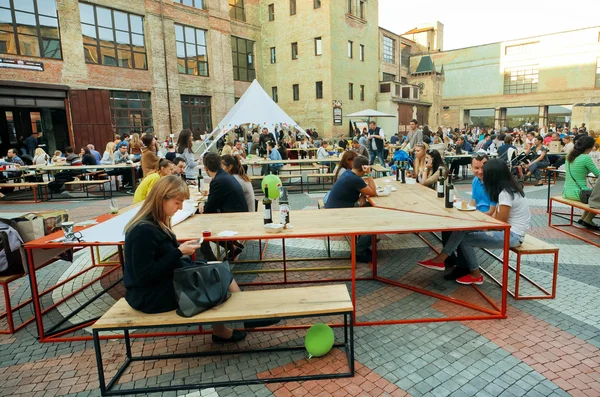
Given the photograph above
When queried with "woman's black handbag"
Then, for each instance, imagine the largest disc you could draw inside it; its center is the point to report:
(584, 194)
(201, 286)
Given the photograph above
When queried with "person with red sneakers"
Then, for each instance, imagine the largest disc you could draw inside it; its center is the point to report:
(512, 208)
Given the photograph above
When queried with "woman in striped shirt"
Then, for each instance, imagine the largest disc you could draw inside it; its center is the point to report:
(579, 164)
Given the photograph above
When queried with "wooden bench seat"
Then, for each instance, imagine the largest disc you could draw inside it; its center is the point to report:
(8, 313)
(378, 169)
(532, 246)
(242, 306)
(573, 204)
(87, 182)
(281, 176)
(36, 187)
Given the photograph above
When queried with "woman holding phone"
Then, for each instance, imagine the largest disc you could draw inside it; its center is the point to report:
(152, 253)
(434, 168)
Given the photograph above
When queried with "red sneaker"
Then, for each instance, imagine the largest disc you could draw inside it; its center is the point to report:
(468, 280)
(429, 264)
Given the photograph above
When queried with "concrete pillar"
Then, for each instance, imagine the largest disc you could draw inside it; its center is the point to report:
(466, 118)
(499, 118)
(543, 117)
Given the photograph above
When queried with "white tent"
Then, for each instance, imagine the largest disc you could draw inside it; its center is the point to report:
(257, 108)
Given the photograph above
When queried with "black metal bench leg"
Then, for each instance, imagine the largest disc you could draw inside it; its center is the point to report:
(101, 379)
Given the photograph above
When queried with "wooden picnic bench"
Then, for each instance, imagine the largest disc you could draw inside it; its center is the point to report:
(573, 204)
(242, 306)
(379, 169)
(36, 188)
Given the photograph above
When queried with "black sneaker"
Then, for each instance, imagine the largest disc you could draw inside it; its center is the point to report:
(363, 258)
(457, 272)
(233, 253)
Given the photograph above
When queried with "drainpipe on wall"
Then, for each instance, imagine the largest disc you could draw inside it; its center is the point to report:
(162, 20)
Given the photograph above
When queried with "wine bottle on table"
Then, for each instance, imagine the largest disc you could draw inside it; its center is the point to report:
(267, 211)
(284, 208)
(440, 185)
(449, 203)
(403, 171)
(397, 171)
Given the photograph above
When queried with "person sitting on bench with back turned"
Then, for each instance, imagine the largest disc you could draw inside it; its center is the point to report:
(152, 253)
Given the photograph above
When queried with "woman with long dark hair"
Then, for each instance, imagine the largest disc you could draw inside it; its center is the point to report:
(434, 168)
(184, 149)
(512, 208)
(539, 153)
(345, 164)
(233, 166)
(579, 164)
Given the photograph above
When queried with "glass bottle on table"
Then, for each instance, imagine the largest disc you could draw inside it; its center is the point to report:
(267, 211)
(449, 202)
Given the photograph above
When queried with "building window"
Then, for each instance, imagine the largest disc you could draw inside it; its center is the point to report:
(273, 55)
(29, 28)
(318, 46)
(296, 91)
(274, 94)
(598, 73)
(405, 55)
(112, 38)
(294, 50)
(361, 52)
(242, 52)
(236, 10)
(130, 112)
(292, 7)
(349, 49)
(319, 89)
(527, 48)
(192, 3)
(350, 91)
(521, 80)
(362, 92)
(361, 10)
(192, 57)
(349, 9)
(317, 4)
(389, 50)
(271, 12)
(195, 114)
(388, 77)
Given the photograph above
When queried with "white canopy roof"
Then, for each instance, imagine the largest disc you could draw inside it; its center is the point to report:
(257, 108)
(369, 113)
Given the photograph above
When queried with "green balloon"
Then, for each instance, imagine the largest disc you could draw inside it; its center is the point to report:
(318, 340)
(273, 183)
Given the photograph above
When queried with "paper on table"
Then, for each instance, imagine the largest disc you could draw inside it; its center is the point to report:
(227, 233)
(111, 230)
(181, 216)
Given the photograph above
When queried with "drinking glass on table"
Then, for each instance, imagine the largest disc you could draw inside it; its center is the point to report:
(113, 207)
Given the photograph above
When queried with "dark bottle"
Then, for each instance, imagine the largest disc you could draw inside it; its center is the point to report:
(403, 171)
(440, 185)
(397, 171)
(449, 202)
(267, 211)
(200, 180)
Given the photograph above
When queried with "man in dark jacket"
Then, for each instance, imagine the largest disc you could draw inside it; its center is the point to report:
(225, 195)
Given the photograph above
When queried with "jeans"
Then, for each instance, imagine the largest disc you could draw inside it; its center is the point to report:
(467, 241)
(376, 153)
(363, 243)
(456, 257)
(535, 169)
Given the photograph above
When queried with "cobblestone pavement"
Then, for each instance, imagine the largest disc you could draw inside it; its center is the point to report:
(544, 348)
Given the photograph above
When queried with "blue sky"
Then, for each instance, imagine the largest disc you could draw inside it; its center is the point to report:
(470, 22)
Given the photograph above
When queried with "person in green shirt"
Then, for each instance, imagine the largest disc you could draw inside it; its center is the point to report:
(579, 164)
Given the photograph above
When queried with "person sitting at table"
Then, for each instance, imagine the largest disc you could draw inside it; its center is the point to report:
(343, 143)
(512, 208)
(321, 150)
(179, 169)
(184, 149)
(87, 158)
(57, 158)
(149, 157)
(152, 254)
(360, 149)
(434, 168)
(40, 157)
(225, 195)
(349, 191)
(135, 147)
(438, 145)
(122, 157)
(108, 156)
(539, 155)
(505, 147)
(462, 147)
(579, 164)
(282, 149)
(274, 155)
(72, 158)
(303, 146)
(233, 166)
(345, 164)
(420, 150)
(164, 168)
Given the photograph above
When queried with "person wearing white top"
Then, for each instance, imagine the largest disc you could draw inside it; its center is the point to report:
(512, 208)
(108, 157)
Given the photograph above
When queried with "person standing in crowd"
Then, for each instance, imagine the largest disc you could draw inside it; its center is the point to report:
(579, 164)
(512, 208)
(149, 157)
(164, 168)
(233, 166)
(350, 190)
(414, 136)
(376, 142)
(152, 254)
(31, 143)
(263, 139)
(184, 149)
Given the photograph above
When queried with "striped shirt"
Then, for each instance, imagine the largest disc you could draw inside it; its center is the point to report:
(579, 169)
